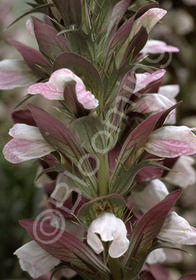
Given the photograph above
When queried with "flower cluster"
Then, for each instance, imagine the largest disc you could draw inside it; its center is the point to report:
(108, 150)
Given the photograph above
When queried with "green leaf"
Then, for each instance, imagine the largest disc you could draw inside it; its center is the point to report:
(101, 13)
(113, 203)
(144, 233)
(117, 105)
(86, 22)
(134, 48)
(93, 135)
(122, 180)
(65, 142)
(117, 13)
(72, 178)
(120, 43)
(70, 11)
(118, 40)
(134, 143)
(80, 43)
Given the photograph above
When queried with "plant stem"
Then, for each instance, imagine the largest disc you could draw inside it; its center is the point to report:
(115, 269)
(103, 174)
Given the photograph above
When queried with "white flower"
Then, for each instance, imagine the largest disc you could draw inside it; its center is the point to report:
(164, 255)
(182, 173)
(156, 256)
(154, 103)
(54, 88)
(156, 46)
(15, 73)
(35, 260)
(146, 78)
(171, 141)
(175, 229)
(110, 228)
(169, 91)
(27, 143)
(153, 193)
(148, 20)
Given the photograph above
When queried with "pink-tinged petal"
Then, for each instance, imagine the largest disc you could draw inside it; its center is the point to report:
(19, 150)
(171, 141)
(182, 174)
(26, 132)
(61, 77)
(154, 103)
(86, 98)
(144, 79)
(169, 91)
(68, 273)
(139, 136)
(27, 144)
(47, 90)
(148, 20)
(156, 46)
(54, 88)
(151, 17)
(15, 73)
(35, 260)
(177, 230)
